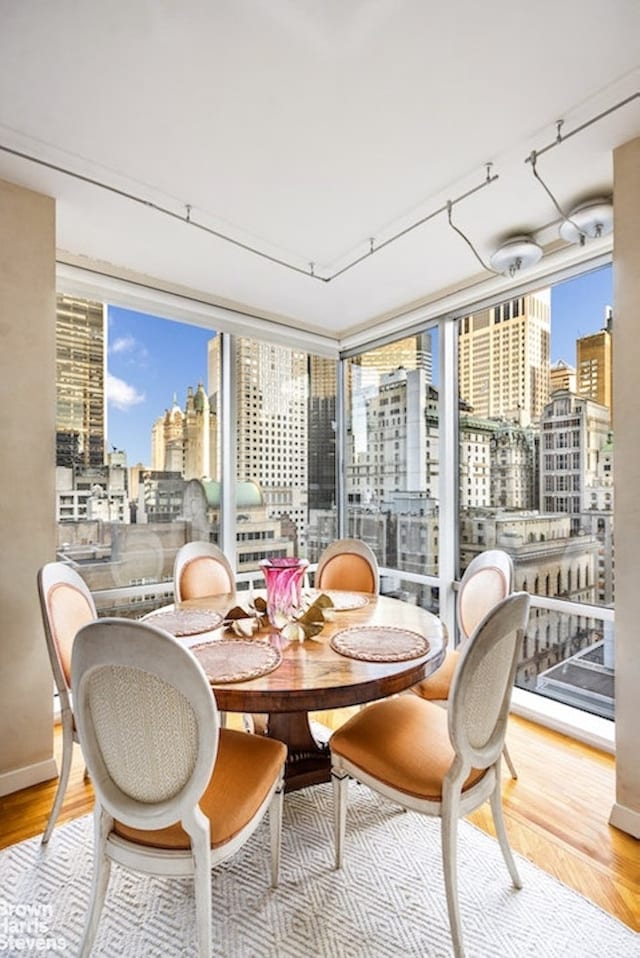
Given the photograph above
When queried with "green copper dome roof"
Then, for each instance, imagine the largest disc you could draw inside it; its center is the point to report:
(248, 494)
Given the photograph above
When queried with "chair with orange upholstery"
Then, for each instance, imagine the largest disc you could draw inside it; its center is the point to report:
(201, 569)
(443, 763)
(348, 564)
(66, 605)
(175, 793)
(487, 580)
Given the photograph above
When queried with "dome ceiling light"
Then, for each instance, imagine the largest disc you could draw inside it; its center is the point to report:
(589, 220)
(518, 252)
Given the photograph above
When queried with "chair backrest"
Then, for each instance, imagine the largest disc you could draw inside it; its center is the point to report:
(487, 579)
(201, 569)
(483, 681)
(147, 721)
(66, 605)
(348, 564)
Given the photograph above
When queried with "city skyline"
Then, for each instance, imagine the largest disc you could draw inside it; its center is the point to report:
(151, 359)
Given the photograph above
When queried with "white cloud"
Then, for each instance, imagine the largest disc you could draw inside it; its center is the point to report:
(122, 344)
(122, 395)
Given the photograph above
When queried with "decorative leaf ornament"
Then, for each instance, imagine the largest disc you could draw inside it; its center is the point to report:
(245, 622)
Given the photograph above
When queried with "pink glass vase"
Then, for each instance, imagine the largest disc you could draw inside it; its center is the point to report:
(284, 587)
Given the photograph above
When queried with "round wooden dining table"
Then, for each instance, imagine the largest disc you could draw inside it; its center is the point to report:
(313, 676)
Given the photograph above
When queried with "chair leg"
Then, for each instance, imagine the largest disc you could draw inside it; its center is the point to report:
(449, 839)
(275, 829)
(63, 780)
(340, 791)
(201, 852)
(501, 832)
(103, 824)
(507, 758)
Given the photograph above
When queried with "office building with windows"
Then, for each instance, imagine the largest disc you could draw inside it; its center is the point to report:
(504, 354)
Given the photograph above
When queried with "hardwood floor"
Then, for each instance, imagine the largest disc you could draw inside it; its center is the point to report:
(556, 814)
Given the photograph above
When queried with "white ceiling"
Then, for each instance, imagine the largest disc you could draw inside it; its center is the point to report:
(305, 127)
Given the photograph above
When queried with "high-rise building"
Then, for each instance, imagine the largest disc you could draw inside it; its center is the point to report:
(183, 441)
(81, 416)
(593, 357)
(562, 376)
(503, 355)
(574, 432)
(322, 432)
(271, 388)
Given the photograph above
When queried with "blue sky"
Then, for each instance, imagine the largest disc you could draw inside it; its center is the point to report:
(150, 359)
(577, 308)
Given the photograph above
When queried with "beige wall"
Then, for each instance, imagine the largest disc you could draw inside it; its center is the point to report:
(27, 441)
(626, 404)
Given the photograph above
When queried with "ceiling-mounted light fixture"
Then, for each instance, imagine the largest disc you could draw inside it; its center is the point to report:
(519, 252)
(589, 220)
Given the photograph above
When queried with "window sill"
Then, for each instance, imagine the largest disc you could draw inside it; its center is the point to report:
(582, 726)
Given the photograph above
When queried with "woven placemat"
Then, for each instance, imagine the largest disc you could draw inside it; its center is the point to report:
(342, 601)
(236, 660)
(185, 621)
(379, 643)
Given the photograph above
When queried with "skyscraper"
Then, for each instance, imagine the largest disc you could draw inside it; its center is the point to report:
(81, 418)
(184, 441)
(562, 376)
(322, 432)
(593, 357)
(271, 395)
(503, 355)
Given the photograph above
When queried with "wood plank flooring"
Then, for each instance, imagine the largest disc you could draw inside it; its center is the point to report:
(556, 813)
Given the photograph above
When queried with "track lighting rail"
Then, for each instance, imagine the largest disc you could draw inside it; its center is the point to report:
(310, 271)
(190, 221)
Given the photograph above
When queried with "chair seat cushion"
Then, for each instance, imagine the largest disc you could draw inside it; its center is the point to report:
(246, 768)
(402, 742)
(436, 687)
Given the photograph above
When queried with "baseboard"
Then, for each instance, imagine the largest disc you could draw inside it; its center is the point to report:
(626, 819)
(28, 775)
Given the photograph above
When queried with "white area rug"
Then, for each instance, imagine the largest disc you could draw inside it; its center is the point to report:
(388, 901)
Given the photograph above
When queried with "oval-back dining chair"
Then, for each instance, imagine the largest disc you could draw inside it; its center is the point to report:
(348, 564)
(201, 569)
(175, 793)
(441, 763)
(486, 581)
(66, 605)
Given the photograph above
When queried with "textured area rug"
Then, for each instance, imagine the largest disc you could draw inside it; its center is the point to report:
(387, 901)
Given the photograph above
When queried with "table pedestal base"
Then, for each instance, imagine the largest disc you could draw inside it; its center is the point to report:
(308, 760)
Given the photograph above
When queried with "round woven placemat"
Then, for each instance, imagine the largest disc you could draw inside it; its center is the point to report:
(236, 660)
(342, 601)
(185, 621)
(379, 643)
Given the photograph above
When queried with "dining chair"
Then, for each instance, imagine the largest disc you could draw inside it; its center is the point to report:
(487, 579)
(66, 605)
(348, 564)
(201, 569)
(176, 794)
(441, 762)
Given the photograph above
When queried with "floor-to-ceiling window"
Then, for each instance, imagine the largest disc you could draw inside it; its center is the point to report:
(536, 473)
(140, 450)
